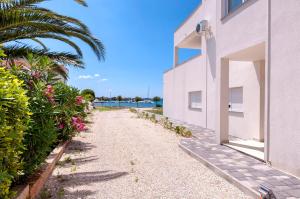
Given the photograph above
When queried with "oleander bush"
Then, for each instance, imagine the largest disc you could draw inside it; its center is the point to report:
(42, 132)
(70, 111)
(14, 119)
(57, 111)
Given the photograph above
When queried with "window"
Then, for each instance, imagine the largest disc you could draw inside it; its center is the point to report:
(236, 99)
(195, 100)
(232, 5)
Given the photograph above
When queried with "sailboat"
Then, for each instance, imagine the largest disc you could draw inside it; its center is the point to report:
(148, 100)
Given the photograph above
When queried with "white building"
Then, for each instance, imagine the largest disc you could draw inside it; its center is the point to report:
(246, 82)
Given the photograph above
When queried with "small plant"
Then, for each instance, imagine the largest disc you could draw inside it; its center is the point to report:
(133, 110)
(165, 122)
(132, 163)
(153, 118)
(61, 192)
(73, 169)
(187, 133)
(45, 194)
(68, 159)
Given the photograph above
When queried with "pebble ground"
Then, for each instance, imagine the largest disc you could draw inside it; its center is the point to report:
(122, 156)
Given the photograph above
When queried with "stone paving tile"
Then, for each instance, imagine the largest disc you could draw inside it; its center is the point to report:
(247, 170)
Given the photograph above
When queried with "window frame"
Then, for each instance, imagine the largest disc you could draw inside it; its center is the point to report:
(190, 100)
(227, 11)
(241, 108)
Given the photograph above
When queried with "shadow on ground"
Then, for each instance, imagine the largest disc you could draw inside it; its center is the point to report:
(70, 162)
(72, 181)
(79, 146)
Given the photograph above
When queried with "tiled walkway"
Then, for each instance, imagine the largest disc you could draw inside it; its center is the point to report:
(242, 170)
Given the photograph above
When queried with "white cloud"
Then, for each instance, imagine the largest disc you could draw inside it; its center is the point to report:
(104, 80)
(85, 77)
(97, 75)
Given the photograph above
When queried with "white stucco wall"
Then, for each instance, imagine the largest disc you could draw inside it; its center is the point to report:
(178, 82)
(246, 124)
(243, 28)
(284, 85)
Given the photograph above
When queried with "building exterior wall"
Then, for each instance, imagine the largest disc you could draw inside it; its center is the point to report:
(185, 78)
(284, 122)
(261, 38)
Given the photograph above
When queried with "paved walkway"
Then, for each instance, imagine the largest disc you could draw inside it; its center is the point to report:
(126, 157)
(237, 167)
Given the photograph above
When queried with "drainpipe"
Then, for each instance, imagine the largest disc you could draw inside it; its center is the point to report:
(206, 67)
(267, 129)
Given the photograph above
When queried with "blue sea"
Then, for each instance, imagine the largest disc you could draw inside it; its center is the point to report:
(127, 104)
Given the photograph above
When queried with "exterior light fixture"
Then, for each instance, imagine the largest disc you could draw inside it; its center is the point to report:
(266, 192)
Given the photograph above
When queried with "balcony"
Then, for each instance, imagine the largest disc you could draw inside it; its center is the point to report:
(185, 36)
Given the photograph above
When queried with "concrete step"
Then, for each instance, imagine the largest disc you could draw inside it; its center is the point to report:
(248, 151)
(250, 144)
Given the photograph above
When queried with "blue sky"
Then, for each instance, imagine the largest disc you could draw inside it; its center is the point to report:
(138, 36)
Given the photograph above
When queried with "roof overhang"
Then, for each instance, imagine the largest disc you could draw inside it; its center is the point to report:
(192, 41)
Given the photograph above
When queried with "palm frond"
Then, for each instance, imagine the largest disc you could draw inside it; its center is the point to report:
(81, 2)
(21, 51)
(27, 19)
(39, 42)
(39, 23)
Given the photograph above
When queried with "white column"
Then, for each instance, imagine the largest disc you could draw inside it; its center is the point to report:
(222, 126)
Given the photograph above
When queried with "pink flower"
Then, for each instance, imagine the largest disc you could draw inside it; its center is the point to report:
(36, 74)
(78, 124)
(79, 100)
(49, 93)
(61, 126)
(50, 89)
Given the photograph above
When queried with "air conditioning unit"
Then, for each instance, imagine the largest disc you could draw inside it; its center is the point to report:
(202, 27)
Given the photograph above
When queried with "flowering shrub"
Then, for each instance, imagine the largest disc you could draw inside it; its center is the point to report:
(53, 104)
(70, 111)
(42, 132)
(56, 114)
(14, 117)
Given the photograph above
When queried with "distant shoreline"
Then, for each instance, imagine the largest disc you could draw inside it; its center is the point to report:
(128, 104)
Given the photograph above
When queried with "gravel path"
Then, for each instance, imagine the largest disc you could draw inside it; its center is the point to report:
(126, 157)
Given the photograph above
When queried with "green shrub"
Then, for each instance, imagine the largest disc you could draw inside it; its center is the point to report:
(42, 132)
(14, 117)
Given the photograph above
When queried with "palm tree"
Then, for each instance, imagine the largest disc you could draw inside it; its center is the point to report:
(156, 99)
(119, 98)
(137, 100)
(24, 20)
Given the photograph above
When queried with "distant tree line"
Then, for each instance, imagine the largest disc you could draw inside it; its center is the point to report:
(121, 98)
(136, 99)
